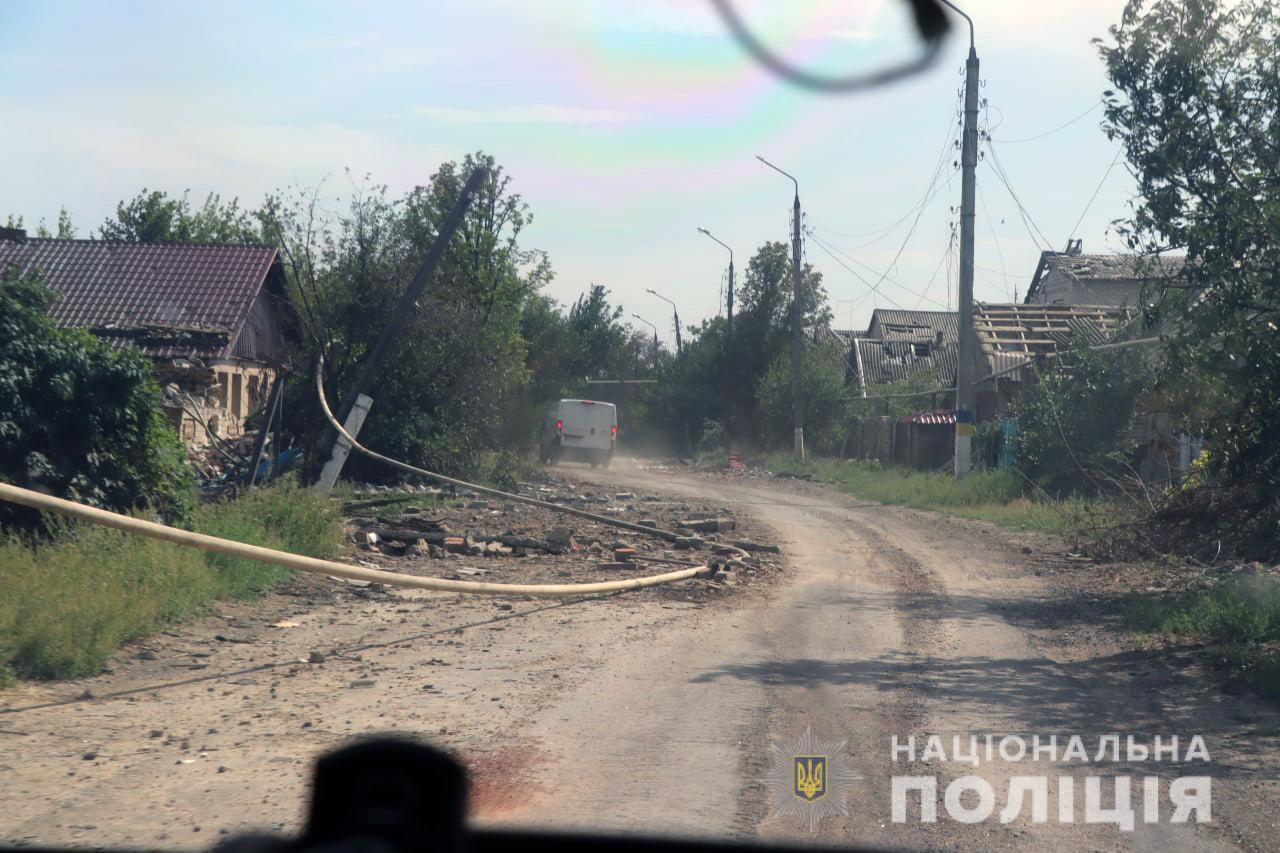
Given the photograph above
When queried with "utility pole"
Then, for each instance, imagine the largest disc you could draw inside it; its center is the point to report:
(408, 302)
(797, 336)
(965, 394)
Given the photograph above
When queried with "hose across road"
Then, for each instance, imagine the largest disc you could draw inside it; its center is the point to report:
(141, 527)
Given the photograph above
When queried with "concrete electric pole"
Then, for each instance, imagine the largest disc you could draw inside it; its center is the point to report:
(797, 333)
(967, 356)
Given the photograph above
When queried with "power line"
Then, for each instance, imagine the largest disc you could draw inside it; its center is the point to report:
(856, 274)
(948, 141)
(1098, 189)
(1055, 130)
(992, 226)
(875, 287)
(998, 168)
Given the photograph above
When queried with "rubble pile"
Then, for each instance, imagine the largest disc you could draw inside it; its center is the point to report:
(458, 534)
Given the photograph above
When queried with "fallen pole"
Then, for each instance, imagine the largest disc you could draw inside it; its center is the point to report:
(152, 530)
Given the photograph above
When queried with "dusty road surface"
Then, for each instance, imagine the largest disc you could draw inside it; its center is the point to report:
(656, 711)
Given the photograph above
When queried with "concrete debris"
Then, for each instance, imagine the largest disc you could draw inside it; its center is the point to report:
(686, 543)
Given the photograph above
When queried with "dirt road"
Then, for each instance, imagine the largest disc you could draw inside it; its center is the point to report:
(651, 712)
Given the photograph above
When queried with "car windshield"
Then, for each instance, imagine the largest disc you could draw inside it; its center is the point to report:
(849, 422)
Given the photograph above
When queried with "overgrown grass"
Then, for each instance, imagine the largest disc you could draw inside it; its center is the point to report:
(70, 603)
(1239, 620)
(995, 496)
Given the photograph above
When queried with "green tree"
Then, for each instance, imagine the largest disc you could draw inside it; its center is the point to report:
(823, 398)
(1196, 104)
(155, 216)
(79, 419)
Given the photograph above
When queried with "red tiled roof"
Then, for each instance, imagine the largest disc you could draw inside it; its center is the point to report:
(168, 298)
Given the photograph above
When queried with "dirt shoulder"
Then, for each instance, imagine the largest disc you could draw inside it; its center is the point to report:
(211, 727)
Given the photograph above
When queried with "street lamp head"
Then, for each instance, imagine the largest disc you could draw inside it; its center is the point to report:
(651, 290)
(704, 231)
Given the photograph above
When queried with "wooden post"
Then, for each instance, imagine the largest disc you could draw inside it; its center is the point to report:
(273, 402)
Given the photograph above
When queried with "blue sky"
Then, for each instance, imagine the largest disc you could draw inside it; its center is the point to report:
(625, 124)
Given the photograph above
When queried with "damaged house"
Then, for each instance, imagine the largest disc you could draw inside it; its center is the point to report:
(208, 316)
(1074, 278)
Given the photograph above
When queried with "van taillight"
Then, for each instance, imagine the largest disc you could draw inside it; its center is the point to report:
(613, 430)
(559, 425)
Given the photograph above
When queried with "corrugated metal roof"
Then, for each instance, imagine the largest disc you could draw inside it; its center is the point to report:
(938, 417)
(170, 299)
(895, 324)
(883, 361)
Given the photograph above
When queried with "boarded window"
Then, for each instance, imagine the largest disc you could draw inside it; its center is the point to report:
(222, 391)
(235, 394)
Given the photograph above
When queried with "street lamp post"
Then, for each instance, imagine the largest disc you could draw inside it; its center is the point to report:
(728, 332)
(655, 337)
(674, 313)
(796, 332)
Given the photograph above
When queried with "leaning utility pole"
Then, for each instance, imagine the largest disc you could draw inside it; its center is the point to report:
(965, 394)
(407, 304)
(797, 335)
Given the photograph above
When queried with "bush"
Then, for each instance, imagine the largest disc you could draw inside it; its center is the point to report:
(1241, 618)
(79, 419)
(1072, 418)
(69, 604)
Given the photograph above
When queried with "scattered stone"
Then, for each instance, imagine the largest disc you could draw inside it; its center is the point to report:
(411, 510)
(156, 733)
(367, 540)
(89, 756)
(478, 504)
(315, 657)
(509, 506)
(687, 543)
(624, 496)
(615, 566)
(363, 682)
(146, 654)
(647, 522)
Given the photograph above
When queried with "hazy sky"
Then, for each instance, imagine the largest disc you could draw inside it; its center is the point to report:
(624, 123)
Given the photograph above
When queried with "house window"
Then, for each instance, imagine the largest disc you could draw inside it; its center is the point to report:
(235, 395)
(222, 391)
(920, 350)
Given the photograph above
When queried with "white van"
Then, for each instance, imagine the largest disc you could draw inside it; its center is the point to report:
(579, 430)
